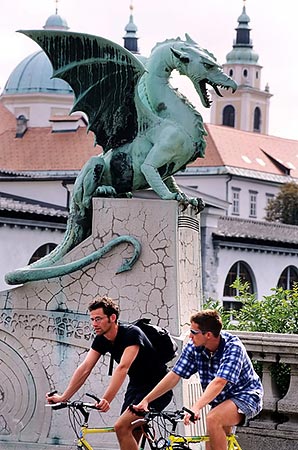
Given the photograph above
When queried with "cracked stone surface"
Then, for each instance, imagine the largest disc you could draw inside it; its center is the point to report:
(44, 326)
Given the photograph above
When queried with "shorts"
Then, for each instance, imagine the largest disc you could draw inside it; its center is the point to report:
(134, 394)
(244, 408)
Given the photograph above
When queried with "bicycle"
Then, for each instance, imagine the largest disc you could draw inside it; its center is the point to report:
(160, 431)
(159, 428)
(78, 414)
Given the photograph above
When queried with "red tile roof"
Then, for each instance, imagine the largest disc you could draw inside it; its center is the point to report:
(41, 150)
(7, 119)
(229, 147)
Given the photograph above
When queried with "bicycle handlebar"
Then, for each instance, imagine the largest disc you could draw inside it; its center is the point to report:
(76, 405)
(172, 416)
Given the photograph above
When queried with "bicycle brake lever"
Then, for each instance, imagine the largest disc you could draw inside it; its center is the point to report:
(94, 397)
(191, 413)
(137, 412)
(50, 394)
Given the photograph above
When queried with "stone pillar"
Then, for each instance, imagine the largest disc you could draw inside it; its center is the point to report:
(44, 326)
(288, 405)
(271, 397)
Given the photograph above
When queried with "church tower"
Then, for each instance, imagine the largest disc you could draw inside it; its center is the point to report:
(130, 38)
(248, 108)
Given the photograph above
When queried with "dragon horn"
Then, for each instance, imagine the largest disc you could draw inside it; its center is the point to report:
(180, 55)
(189, 39)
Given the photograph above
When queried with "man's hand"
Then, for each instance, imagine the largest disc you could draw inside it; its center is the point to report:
(142, 406)
(191, 418)
(53, 397)
(103, 405)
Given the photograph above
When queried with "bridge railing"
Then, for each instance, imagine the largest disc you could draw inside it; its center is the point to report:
(279, 413)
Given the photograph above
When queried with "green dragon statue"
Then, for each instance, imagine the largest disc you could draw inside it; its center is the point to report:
(147, 129)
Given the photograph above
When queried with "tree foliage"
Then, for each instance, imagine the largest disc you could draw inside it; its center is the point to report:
(284, 207)
(275, 313)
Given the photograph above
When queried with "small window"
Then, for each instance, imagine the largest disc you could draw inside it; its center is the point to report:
(228, 116)
(269, 198)
(239, 270)
(257, 74)
(41, 252)
(236, 201)
(245, 73)
(288, 277)
(253, 203)
(257, 120)
(231, 73)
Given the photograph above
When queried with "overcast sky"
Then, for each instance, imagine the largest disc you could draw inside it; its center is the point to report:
(211, 23)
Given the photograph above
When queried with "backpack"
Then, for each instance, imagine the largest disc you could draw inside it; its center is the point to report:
(160, 339)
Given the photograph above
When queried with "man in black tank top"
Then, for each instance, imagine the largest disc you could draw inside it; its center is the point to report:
(135, 356)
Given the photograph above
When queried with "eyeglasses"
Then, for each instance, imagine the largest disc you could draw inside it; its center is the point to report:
(97, 319)
(196, 331)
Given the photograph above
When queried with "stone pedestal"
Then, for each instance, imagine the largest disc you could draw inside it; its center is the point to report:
(44, 326)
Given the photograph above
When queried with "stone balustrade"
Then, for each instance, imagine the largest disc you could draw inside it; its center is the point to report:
(278, 421)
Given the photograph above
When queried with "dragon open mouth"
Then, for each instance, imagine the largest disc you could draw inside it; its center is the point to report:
(204, 94)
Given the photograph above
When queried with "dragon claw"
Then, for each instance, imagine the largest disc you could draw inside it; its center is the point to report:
(108, 191)
(197, 203)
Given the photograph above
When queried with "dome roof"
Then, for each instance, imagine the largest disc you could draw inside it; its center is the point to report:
(56, 22)
(242, 55)
(33, 75)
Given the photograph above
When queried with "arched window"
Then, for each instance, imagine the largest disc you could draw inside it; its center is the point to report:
(245, 73)
(228, 116)
(288, 277)
(231, 72)
(257, 119)
(42, 251)
(239, 270)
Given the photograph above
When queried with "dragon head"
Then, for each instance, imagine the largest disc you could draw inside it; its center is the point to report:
(201, 67)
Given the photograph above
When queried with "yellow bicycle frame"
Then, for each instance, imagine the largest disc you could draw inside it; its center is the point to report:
(172, 439)
(231, 438)
(85, 430)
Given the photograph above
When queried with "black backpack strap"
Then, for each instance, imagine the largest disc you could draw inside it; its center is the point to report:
(110, 372)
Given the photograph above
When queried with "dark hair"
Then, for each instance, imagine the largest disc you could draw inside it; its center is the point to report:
(208, 320)
(108, 306)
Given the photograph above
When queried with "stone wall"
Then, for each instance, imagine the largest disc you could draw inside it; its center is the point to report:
(44, 327)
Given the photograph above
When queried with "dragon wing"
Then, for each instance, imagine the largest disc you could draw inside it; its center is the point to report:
(103, 76)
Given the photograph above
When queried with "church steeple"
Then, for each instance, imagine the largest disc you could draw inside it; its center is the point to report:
(242, 48)
(243, 30)
(130, 38)
(248, 108)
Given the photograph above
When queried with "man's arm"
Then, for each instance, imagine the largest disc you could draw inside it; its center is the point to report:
(118, 377)
(167, 383)
(78, 378)
(212, 390)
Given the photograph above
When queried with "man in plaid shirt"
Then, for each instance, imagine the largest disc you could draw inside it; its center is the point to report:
(230, 384)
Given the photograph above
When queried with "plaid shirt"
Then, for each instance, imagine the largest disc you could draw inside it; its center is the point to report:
(231, 362)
